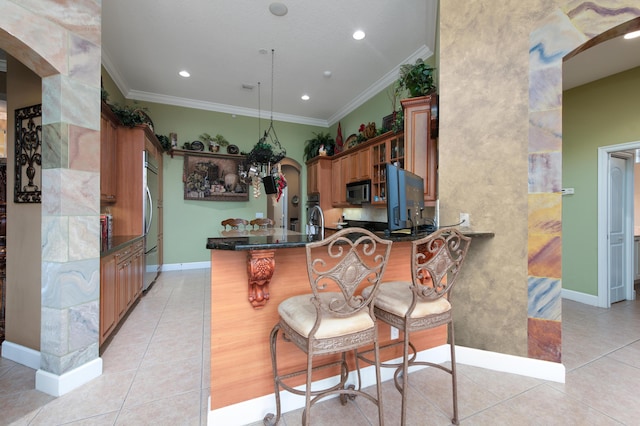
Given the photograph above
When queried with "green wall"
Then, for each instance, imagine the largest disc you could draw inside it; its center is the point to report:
(187, 224)
(602, 113)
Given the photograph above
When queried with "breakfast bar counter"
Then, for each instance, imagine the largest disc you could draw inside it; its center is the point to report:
(250, 276)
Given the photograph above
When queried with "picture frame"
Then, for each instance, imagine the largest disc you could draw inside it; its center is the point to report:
(214, 177)
(28, 155)
(387, 122)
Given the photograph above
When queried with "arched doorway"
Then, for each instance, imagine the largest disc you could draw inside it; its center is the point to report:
(287, 212)
(65, 298)
(581, 25)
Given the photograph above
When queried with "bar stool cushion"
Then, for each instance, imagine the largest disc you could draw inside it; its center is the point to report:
(395, 297)
(299, 313)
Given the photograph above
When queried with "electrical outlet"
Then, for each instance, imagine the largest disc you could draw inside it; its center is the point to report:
(259, 215)
(464, 220)
(394, 333)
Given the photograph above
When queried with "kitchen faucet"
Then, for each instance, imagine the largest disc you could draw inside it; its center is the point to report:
(321, 214)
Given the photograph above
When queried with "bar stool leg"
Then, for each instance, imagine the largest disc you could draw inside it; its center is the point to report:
(269, 419)
(454, 379)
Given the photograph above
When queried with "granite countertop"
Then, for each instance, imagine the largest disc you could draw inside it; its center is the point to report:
(115, 243)
(279, 238)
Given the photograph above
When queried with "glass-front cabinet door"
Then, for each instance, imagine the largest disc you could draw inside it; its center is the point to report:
(379, 159)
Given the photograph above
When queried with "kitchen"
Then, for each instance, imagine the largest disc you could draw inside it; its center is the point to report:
(457, 112)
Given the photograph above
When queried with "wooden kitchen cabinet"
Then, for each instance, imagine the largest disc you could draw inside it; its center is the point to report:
(421, 143)
(128, 211)
(121, 275)
(358, 165)
(320, 180)
(108, 140)
(339, 172)
(108, 297)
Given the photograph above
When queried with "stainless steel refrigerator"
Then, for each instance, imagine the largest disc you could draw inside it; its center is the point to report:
(151, 190)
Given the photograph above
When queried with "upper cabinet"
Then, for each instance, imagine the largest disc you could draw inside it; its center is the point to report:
(108, 171)
(422, 146)
(319, 179)
(128, 213)
(358, 165)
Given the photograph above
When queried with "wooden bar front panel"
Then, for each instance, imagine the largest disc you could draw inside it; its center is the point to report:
(240, 358)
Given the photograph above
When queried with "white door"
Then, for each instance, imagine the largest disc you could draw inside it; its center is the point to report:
(616, 229)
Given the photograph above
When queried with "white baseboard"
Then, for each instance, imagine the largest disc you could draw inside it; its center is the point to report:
(21, 354)
(59, 385)
(255, 409)
(185, 266)
(576, 296)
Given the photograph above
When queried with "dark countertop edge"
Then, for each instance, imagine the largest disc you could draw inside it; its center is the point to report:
(118, 242)
(233, 244)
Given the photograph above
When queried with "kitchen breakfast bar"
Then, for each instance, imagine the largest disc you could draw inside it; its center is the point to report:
(251, 274)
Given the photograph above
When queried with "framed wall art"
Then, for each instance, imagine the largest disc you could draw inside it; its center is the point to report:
(28, 154)
(211, 177)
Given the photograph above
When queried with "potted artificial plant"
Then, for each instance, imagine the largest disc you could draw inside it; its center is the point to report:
(214, 142)
(322, 142)
(416, 79)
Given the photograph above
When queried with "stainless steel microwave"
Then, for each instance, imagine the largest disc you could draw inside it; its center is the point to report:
(359, 192)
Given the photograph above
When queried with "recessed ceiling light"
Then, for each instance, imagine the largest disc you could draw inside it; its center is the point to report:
(305, 97)
(278, 9)
(184, 73)
(631, 35)
(327, 74)
(358, 35)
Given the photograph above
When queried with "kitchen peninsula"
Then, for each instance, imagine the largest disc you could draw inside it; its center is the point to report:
(250, 276)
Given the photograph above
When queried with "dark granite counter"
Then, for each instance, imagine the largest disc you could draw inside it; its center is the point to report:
(279, 239)
(117, 242)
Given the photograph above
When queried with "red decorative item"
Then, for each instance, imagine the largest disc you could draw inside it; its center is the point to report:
(339, 144)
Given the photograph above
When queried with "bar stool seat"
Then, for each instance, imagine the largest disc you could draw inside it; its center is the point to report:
(300, 314)
(396, 298)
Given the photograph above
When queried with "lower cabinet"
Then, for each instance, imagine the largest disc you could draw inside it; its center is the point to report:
(121, 275)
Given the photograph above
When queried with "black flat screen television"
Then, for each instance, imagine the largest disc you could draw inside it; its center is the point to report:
(405, 198)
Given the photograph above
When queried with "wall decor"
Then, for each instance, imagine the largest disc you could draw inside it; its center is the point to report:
(211, 177)
(28, 154)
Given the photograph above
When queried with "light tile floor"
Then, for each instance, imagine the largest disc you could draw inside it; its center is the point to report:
(149, 379)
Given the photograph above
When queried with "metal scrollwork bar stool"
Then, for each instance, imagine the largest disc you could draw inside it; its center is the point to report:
(334, 319)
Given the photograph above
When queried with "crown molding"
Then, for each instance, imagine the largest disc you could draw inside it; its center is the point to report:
(112, 70)
(223, 108)
(389, 78)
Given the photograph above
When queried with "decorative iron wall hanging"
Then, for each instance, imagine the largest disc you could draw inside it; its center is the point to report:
(28, 185)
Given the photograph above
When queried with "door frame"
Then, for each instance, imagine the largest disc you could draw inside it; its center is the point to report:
(603, 196)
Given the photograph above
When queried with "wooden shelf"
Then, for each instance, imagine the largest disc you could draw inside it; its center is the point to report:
(182, 152)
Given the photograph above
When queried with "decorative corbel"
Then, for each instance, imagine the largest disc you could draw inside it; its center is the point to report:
(260, 267)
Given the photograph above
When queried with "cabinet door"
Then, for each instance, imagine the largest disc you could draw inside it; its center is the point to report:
(339, 189)
(312, 177)
(137, 273)
(379, 159)
(364, 163)
(421, 148)
(122, 286)
(108, 135)
(108, 309)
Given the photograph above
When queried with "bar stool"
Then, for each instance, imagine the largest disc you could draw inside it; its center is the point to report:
(262, 223)
(334, 318)
(423, 303)
(234, 227)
